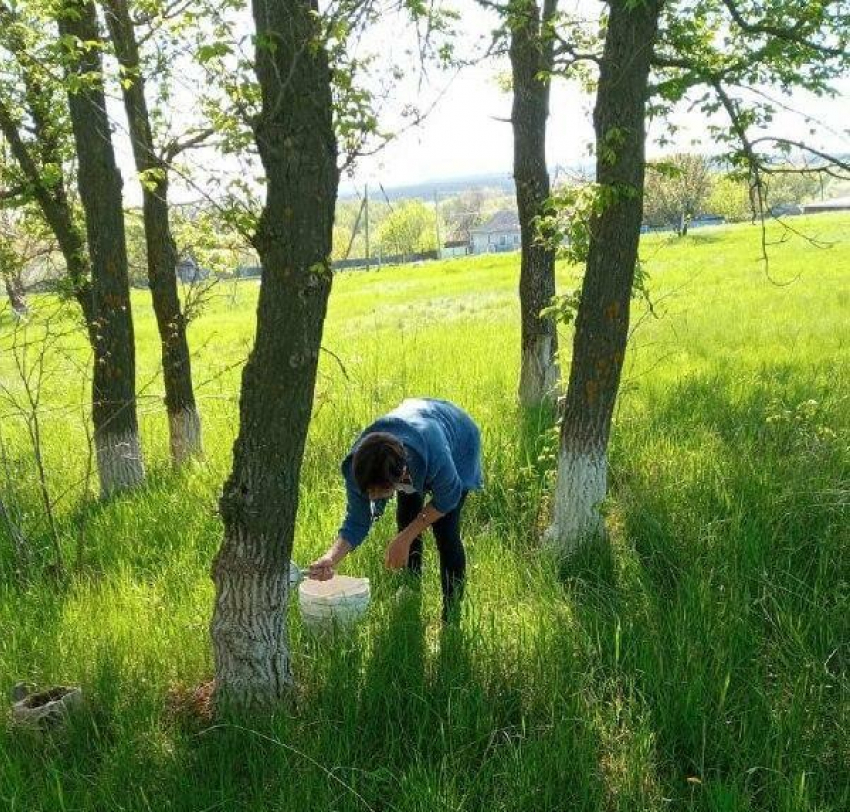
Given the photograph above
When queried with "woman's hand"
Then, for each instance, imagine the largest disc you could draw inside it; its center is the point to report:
(322, 569)
(398, 551)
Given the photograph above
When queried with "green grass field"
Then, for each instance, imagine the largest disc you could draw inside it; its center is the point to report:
(702, 666)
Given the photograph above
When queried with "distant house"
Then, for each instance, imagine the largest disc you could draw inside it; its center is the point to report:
(836, 204)
(189, 272)
(454, 248)
(500, 233)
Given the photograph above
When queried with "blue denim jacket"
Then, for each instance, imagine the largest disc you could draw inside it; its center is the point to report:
(443, 448)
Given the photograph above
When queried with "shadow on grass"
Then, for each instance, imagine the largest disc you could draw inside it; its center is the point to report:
(591, 569)
(704, 643)
(520, 464)
(725, 606)
(144, 529)
(392, 697)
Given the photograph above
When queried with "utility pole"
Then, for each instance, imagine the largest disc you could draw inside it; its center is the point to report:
(437, 224)
(366, 222)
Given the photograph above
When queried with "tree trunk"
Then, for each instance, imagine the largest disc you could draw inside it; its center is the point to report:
(116, 437)
(48, 188)
(183, 420)
(52, 199)
(531, 55)
(15, 294)
(297, 144)
(602, 320)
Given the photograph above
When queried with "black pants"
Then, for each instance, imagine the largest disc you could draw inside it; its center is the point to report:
(449, 546)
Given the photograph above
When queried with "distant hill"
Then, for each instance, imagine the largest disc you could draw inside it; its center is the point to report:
(445, 187)
(502, 181)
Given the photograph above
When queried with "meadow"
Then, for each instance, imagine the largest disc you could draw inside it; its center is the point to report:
(699, 664)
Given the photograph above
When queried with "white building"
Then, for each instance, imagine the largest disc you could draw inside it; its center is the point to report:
(454, 248)
(818, 206)
(500, 233)
(189, 272)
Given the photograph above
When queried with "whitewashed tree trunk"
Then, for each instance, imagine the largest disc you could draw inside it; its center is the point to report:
(114, 414)
(249, 630)
(259, 504)
(602, 321)
(119, 462)
(539, 373)
(579, 492)
(185, 434)
(161, 248)
(531, 55)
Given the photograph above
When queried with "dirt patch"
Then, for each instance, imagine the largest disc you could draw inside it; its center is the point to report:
(190, 705)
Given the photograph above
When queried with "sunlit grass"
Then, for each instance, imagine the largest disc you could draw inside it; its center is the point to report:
(702, 664)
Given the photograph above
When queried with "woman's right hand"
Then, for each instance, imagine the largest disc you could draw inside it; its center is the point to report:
(322, 569)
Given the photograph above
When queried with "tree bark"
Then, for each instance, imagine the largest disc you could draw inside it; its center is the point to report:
(183, 420)
(116, 436)
(53, 200)
(15, 294)
(295, 136)
(602, 321)
(50, 192)
(531, 59)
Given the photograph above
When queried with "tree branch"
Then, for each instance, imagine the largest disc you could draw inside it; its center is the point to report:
(12, 192)
(564, 48)
(831, 161)
(177, 146)
(793, 34)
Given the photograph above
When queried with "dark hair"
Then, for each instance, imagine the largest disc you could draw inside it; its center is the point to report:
(378, 461)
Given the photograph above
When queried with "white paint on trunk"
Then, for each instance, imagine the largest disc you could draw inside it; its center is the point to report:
(184, 429)
(580, 489)
(119, 462)
(539, 374)
(248, 630)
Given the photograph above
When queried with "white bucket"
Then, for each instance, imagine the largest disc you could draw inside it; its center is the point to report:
(340, 601)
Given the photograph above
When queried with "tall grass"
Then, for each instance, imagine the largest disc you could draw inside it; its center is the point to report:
(700, 663)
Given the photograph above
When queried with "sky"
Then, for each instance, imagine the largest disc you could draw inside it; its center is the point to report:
(467, 131)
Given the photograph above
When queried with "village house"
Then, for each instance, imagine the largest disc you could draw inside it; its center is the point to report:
(500, 233)
(819, 206)
(454, 247)
(189, 272)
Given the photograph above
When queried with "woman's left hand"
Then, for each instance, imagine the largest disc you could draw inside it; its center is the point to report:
(397, 552)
